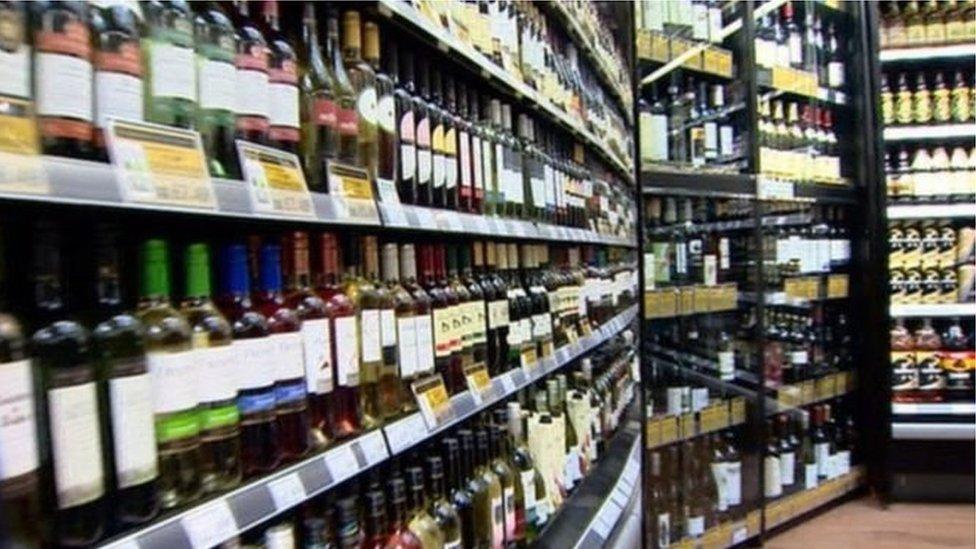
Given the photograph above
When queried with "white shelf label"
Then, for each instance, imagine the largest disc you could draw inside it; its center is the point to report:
(287, 491)
(342, 463)
(210, 525)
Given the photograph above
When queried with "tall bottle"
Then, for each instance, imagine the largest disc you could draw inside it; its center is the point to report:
(73, 473)
(363, 81)
(216, 78)
(256, 364)
(388, 388)
(341, 406)
(173, 367)
(212, 338)
(483, 467)
(439, 123)
(458, 493)
(63, 61)
(423, 326)
(424, 111)
(477, 308)
(496, 307)
(125, 390)
(480, 489)
(421, 523)
(478, 161)
(463, 318)
(500, 466)
(406, 127)
(285, 326)
(451, 325)
(386, 118)
(400, 534)
(441, 509)
(168, 59)
(316, 333)
(530, 482)
(253, 90)
(318, 109)
(283, 96)
(452, 169)
(118, 67)
(404, 328)
(344, 96)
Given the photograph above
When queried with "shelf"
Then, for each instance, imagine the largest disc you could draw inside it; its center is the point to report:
(588, 517)
(785, 509)
(721, 414)
(947, 309)
(928, 53)
(697, 364)
(86, 183)
(931, 211)
(773, 188)
(940, 131)
(934, 408)
(409, 16)
(212, 522)
(933, 431)
(769, 78)
(804, 218)
(668, 180)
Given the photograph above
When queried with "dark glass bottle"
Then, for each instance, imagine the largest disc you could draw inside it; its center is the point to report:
(478, 488)
(441, 508)
(252, 84)
(404, 94)
(422, 318)
(118, 68)
(363, 81)
(399, 534)
(386, 118)
(283, 96)
(424, 112)
(317, 106)
(439, 123)
(457, 492)
(374, 522)
(452, 170)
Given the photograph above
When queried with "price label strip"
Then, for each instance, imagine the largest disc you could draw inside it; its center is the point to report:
(21, 170)
(432, 399)
(210, 525)
(342, 462)
(157, 164)
(479, 382)
(275, 180)
(404, 433)
(287, 491)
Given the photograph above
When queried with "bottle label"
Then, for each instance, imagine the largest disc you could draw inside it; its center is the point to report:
(497, 522)
(810, 476)
(464, 158)
(172, 71)
(18, 424)
(256, 367)
(370, 330)
(325, 113)
(218, 373)
(408, 153)
(726, 364)
(64, 87)
(843, 462)
(386, 114)
(787, 468)
(498, 314)
(721, 485)
(76, 445)
(527, 478)
(456, 544)
(174, 381)
(733, 482)
(437, 146)
(407, 346)
(663, 530)
(317, 347)
(347, 352)
(695, 526)
(388, 328)
(501, 174)
(289, 356)
(366, 105)
(249, 403)
(477, 178)
(283, 110)
(15, 66)
(508, 496)
(771, 475)
(835, 74)
(425, 343)
(218, 80)
(348, 122)
(133, 433)
(290, 393)
(442, 332)
(821, 452)
(118, 85)
(252, 93)
(423, 151)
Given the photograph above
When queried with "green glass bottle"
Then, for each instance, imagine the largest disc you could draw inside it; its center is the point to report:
(213, 35)
(220, 444)
(175, 383)
(167, 48)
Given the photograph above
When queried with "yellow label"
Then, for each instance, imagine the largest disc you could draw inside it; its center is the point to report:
(838, 286)
(529, 358)
(432, 399)
(669, 430)
(826, 387)
(450, 142)
(660, 48)
(808, 392)
(653, 433)
(737, 410)
(159, 164)
(18, 134)
(442, 332)
(21, 170)
(477, 378)
(686, 424)
(349, 181)
(687, 301)
(275, 180)
(437, 138)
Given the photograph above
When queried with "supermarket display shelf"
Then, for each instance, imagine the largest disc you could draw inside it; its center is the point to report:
(588, 517)
(731, 225)
(773, 188)
(433, 34)
(582, 43)
(935, 131)
(939, 309)
(931, 211)
(933, 431)
(784, 510)
(80, 182)
(221, 518)
(928, 53)
(661, 431)
(674, 180)
(765, 79)
(688, 362)
(934, 408)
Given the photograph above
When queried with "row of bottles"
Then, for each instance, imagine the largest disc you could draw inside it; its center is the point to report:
(798, 140)
(931, 262)
(494, 481)
(809, 44)
(185, 397)
(702, 19)
(920, 98)
(932, 360)
(930, 23)
(930, 175)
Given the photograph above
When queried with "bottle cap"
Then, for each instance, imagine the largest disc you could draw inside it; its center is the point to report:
(155, 268)
(271, 268)
(197, 258)
(234, 269)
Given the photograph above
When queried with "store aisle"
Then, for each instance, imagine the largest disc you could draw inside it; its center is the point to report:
(862, 523)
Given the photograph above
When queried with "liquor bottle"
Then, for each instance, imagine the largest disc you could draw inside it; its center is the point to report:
(168, 58)
(404, 94)
(424, 113)
(440, 309)
(457, 492)
(492, 157)
(216, 77)
(257, 366)
(399, 534)
(835, 60)
(660, 518)
(421, 523)
(439, 123)
(252, 83)
(404, 328)
(16, 95)
(343, 95)
(118, 67)
(476, 308)
(389, 389)
(340, 407)
(494, 482)
(422, 307)
(772, 481)
(283, 96)
(570, 471)
(318, 105)
(463, 320)
(479, 488)
(368, 301)
(363, 81)
(452, 331)
(173, 367)
(211, 339)
(451, 130)
(478, 161)
(316, 333)
(794, 38)
(498, 453)
(496, 303)
(374, 521)
(693, 491)
(63, 61)
(125, 390)
(285, 327)
(515, 193)
(521, 347)
(346, 513)
(466, 137)
(73, 471)
(821, 444)
(530, 488)
(386, 112)
(787, 455)
(441, 509)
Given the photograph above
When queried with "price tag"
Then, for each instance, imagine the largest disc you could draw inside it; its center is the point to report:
(686, 425)
(838, 286)
(808, 392)
(21, 170)
(388, 194)
(826, 387)
(669, 430)
(354, 210)
(481, 224)
(394, 215)
(431, 395)
(159, 164)
(275, 181)
(373, 447)
(404, 433)
(210, 525)
(737, 411)
(287, 491)
(740, 533)
(714, 539)
(507, 383)
(774, 189)
(342, 462)
(349, 181)
(425, 218)
(478, 380)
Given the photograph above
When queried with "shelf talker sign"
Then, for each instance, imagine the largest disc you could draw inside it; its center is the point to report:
(21, 170)
(275, 181)
(159, 164)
